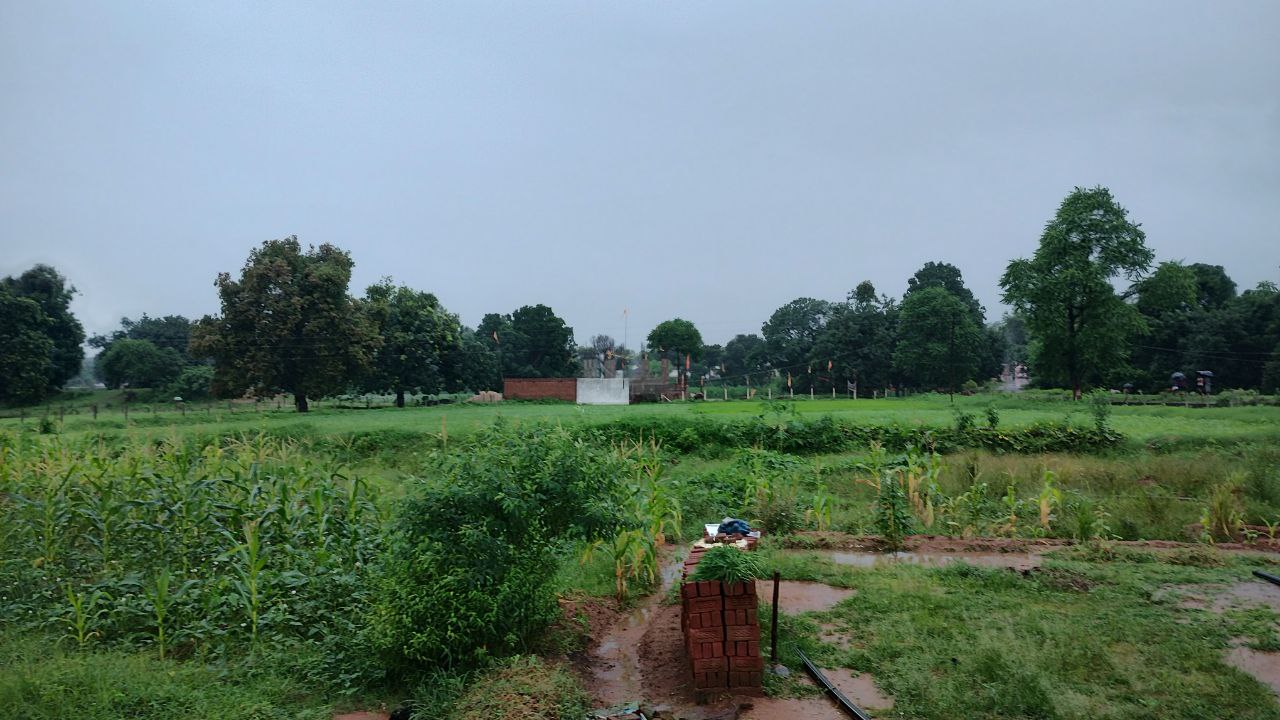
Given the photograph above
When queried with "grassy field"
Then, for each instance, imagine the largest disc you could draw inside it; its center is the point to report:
(1143, 424)
(222, 563)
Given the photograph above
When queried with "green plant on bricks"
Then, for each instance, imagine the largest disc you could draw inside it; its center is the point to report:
(727, 564)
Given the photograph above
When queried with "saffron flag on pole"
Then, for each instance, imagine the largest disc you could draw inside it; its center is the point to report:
(828, 366)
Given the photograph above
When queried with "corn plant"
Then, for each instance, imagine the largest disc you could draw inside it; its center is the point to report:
(634, 557)
(85, 611)
(1050, 497)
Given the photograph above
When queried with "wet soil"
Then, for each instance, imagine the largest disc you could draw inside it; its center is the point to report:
(1020, 561)
(1264, 666)
(1218, 598)
(616, 657)
(860, 688)
(796, 597)
(831, 540)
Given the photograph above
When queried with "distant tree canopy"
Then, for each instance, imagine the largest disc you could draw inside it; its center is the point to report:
(744, 355)
(1081, 328)
(791, 333)
(26, 350)
(287, 324)
(418, 335)
(139, 364)
(939, 344)
(51, 294)
(531, 342)
(169, 331)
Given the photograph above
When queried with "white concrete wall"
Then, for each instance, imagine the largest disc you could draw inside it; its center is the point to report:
(604, 391)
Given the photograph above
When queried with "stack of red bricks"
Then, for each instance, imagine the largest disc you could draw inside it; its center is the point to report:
(721, 632)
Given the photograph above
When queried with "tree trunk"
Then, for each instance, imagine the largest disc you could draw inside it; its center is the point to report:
(399, 398)
(300, 401)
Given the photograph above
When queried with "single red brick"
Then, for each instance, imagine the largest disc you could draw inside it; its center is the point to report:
(709, 665)
(730, 649)
(753, 648)
(695, 620)
(750, 588)
(717, 649)
(740, 602)
(705, 604)
(695, 651)
(689, 590)
(752, 618)
(739, 662)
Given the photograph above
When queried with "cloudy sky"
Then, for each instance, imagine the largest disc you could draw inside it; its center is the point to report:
(709, 160)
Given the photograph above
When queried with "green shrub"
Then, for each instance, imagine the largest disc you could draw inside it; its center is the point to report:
(524, 687)
(465, 575)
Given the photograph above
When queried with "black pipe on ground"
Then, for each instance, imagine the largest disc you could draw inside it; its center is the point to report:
(845, 703)
(1267, 576)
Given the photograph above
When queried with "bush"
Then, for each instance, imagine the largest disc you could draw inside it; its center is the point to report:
(525, 687)
(195, 382)
(465, 575)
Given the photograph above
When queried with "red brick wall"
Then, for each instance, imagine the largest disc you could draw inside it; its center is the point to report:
(540, 389)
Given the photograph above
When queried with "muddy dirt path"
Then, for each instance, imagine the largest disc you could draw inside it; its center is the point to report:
(616, 666)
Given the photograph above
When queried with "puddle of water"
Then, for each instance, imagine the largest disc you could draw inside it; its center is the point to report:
(860, 688)
(1220, 598)
(1264, 666)
(796, 597)
(1016, 561)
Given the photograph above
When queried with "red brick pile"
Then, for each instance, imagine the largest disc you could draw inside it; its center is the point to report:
(721, 632)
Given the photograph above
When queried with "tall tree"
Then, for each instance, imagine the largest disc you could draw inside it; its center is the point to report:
(939, 344)
(792, 331)
(26, 350)
(417, 335)
(858, 342)
(531, 342)
(1079, 325)
(679, 338)
(947, 277)
(169, 331)
(744, 355)
(473, 364)
(51, 292)
(287, 325)
(139, 363)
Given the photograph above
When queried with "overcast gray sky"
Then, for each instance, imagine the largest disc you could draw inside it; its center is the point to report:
(580, 154)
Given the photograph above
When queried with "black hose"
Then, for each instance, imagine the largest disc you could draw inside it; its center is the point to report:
(845, 703)
(1267, 576)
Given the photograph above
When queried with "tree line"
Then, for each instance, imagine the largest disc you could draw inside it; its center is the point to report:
(1088, 310)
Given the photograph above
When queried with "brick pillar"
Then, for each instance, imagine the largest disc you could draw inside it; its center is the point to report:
(721, 627)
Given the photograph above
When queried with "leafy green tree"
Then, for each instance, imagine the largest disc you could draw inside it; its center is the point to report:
(472, 365)
(287, 325)
(195, 382)
(1013, 330)
(745, 355)
(531, 342)
(947, 277)
(169, 331)
(26, 350)
(1080, 326)
(793, 330)
(1214, 288)
(417, 334)
(678, 338)
(51, 292)
(139, 363)
(939, 344)
(858, 342)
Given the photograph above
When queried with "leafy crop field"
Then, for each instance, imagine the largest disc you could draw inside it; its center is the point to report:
(220, 564)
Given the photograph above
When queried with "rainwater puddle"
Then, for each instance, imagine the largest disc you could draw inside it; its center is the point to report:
(1264, 666)
(795, 596)
(1015, 561)
(1220, 598)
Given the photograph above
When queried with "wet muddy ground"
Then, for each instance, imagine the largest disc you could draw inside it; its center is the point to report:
(1013, 560)
(795, 596)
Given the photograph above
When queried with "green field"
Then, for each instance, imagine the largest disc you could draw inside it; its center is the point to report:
(236, 563)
